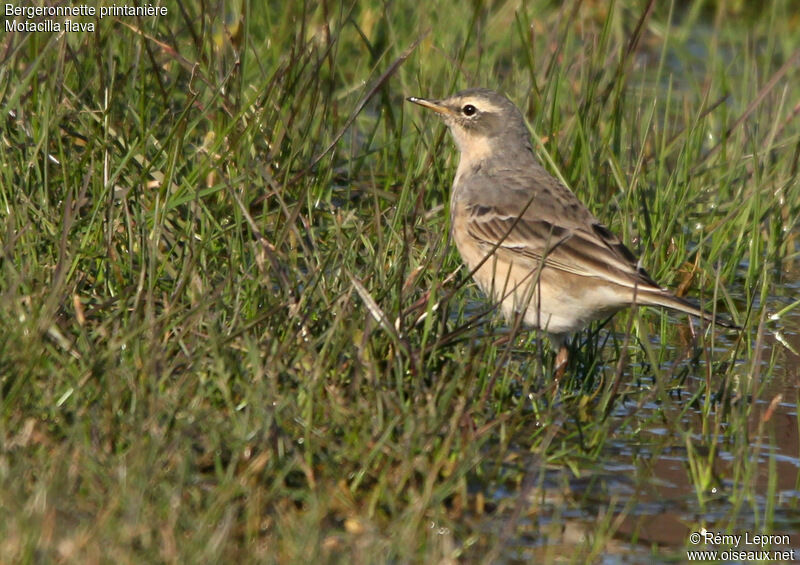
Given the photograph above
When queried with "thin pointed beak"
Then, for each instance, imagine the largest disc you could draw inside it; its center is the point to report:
(434, 105)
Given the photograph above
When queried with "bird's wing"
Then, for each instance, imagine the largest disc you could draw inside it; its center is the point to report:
(588, 250)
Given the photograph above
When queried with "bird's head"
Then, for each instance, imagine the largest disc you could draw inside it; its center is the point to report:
(483, 122)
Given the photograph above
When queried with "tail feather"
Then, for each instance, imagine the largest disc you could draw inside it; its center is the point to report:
(669, 300)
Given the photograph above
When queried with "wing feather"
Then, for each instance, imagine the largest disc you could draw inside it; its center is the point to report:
(594, 252)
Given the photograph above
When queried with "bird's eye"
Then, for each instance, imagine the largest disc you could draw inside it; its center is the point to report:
(469, 110)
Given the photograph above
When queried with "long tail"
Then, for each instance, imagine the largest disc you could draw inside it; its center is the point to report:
(668, 300)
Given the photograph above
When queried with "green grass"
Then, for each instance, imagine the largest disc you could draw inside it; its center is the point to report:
(234, 327)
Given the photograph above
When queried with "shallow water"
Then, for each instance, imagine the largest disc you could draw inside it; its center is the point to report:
(640, 485)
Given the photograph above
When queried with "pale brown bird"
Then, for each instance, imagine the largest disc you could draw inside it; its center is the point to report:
(532, 245)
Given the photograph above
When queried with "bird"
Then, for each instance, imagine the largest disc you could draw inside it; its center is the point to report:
(529, 242)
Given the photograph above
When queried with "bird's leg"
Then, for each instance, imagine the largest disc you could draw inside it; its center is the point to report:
(559, 368)
(561, 363)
